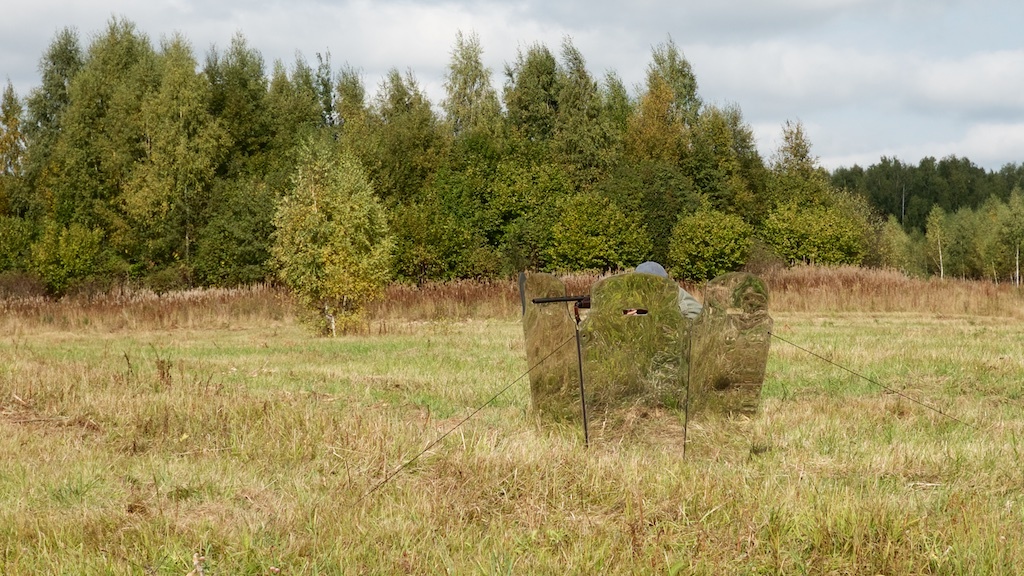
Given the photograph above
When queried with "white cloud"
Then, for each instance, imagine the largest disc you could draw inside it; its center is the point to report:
(978, 84)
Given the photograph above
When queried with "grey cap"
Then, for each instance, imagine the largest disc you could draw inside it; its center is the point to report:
(654, 268)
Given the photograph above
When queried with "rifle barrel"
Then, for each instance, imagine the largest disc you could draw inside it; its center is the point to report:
(582, 301)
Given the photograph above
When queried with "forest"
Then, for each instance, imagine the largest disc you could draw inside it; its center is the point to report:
(134, 162)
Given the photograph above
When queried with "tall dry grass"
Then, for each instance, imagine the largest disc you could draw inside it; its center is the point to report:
(801, 289)
(144, 434)
(141, 309)
(852, 289)
(794, 290)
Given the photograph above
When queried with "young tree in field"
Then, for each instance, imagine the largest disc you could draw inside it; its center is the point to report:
(332, 246)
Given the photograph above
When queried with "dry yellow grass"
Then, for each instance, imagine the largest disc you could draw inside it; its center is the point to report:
(141, 436)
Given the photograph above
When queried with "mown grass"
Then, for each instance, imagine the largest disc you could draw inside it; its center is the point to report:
(136, 433)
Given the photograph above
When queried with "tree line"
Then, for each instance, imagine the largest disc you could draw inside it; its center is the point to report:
(134, 162)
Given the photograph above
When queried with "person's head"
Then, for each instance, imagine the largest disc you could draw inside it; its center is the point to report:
(654, 268)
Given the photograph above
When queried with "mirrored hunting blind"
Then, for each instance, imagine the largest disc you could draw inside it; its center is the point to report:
(634, 346)
(639, 353)
(730, 345)
(550, 329)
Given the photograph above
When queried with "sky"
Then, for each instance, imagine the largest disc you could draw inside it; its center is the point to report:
(905, 79)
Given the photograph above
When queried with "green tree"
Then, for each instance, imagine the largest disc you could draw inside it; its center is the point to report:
(355, 121)
(1011, 229)
(64, 256)
(658, 192)
(296, 109)
(809, 220)
(12, 149)
(814, 234)
(471, 103)
(521, 211)
(233, 247)
(45, 108)
(15, 243)
(795, 174)
(708, 243)
(990, 256)
(653, 132)
(593, 234)
(324, 83)
(350, 97)
(332, 246)
(435, 243)
(581, 138)
(896, 247)
(407, 137)
(616, 107)
(959, 248)
(531, 94)
(238, 99)
(716, 166)
(670, 66)
(101, 137)
(182, 144)
(447, 232)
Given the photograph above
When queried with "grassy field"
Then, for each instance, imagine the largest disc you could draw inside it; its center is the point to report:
(209, 432)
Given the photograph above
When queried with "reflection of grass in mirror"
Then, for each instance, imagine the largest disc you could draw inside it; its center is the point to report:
(731, 339)
(261, 442)
(634, 361)
(549, 335)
